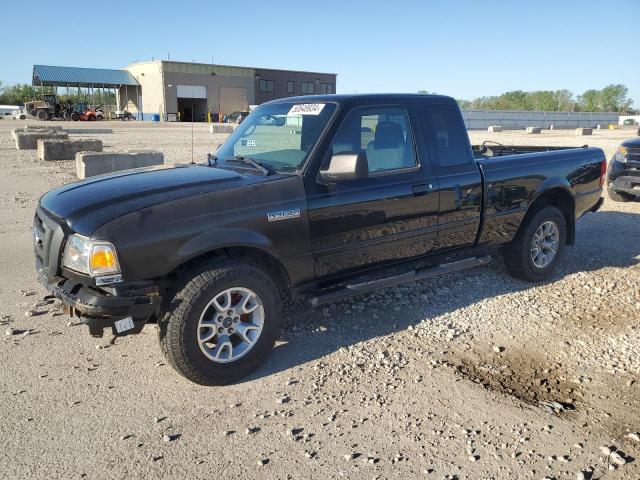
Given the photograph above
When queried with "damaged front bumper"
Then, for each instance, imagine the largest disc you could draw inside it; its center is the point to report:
(101, 308)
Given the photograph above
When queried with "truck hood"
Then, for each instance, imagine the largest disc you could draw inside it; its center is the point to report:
(88, 204)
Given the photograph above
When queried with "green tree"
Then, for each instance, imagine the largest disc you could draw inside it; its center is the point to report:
(564, 100)
(590, 101)
(613, 98)
(543, 100)
(18, 94)
(515, 100)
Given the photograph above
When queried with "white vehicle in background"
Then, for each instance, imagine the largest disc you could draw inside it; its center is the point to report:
(20, 114)
(6, 111)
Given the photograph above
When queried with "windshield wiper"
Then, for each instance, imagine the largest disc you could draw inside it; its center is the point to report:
(266, 170)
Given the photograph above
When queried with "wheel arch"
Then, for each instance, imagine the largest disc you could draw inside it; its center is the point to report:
(263, 258)
(559, 196)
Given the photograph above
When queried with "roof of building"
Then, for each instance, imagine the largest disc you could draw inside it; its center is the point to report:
(50, 75)
(177, 62)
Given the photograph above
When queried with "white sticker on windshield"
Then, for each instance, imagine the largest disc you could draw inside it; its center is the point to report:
(306, 109)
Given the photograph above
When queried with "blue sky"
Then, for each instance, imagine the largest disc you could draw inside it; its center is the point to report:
(462, 48)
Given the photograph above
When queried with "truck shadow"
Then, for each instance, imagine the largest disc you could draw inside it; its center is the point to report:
(608, 239)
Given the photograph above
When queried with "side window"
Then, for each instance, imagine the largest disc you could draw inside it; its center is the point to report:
(383, 133)
(448, 135)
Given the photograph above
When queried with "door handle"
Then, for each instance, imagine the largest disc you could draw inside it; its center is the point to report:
(421, 189)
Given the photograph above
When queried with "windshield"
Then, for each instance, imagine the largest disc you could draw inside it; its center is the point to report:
(279, 136)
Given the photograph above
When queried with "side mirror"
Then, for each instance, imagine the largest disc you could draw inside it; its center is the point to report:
(346, 166)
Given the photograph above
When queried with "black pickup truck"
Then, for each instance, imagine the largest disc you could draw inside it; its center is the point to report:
(317, 198)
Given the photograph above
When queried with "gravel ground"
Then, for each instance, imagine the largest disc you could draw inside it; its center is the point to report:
(471, 375)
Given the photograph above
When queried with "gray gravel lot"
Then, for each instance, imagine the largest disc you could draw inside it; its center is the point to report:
(455, 377)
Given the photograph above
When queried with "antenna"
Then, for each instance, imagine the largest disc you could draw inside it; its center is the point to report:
(192, 114)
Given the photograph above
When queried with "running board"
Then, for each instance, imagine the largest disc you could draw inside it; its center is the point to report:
(363, 287)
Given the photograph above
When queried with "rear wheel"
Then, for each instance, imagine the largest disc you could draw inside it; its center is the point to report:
(75, 116)
(222, 322)
(620, 196)
(534, 253)
(42, 115)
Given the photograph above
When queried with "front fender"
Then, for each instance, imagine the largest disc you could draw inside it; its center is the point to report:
(222, 238)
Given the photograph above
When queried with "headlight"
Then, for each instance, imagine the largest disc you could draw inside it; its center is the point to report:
(621, 154)
(91, 257)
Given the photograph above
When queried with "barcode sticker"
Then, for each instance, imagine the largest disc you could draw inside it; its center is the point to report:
(124, 325)
(306, 109)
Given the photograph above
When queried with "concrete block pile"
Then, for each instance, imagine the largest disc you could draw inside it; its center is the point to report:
(495, 128)
(584, 131)
(534, 130)
(89, 164)
(28, 139)
(65, 149)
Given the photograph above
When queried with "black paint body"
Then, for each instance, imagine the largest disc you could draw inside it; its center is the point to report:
(160, 218)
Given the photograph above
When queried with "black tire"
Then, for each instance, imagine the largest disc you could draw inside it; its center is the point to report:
(178, 329)
(620, 196)
(517, 253)
(42, 115)
(75, 116)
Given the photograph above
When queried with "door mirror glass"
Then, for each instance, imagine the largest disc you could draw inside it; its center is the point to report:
(346, 166)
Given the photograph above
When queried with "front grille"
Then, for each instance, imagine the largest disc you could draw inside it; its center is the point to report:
(633, 156)
(48, 238)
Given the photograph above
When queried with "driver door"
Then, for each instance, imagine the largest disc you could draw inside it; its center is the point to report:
(389, 216)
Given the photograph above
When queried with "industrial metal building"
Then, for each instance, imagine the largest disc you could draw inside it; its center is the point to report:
(168, 90)
(195, 90)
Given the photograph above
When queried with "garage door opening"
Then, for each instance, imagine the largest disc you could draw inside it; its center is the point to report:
(192, 109)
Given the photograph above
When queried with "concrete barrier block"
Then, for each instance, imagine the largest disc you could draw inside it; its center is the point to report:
(221, 128)
(29, 140)
(41, 127)
(65, 149)
(534, 130)
(88, 131)
(495, 128)
(89, 164)
(584, 131)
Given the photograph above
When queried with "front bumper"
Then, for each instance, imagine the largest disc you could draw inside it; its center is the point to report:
(630, 185)
(102, 308)
(624, 177)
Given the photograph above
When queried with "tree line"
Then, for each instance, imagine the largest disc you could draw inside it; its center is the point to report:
(612, 98)
(21, 93)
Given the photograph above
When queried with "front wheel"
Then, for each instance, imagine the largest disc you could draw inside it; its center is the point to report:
(222, 322)
(535, 252)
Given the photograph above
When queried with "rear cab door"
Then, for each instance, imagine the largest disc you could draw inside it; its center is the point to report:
(459, 177)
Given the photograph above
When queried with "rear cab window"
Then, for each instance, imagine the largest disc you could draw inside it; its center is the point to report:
(447, 133)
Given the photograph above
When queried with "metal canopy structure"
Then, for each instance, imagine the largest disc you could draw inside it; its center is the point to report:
(55, 76)
(92, 81)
